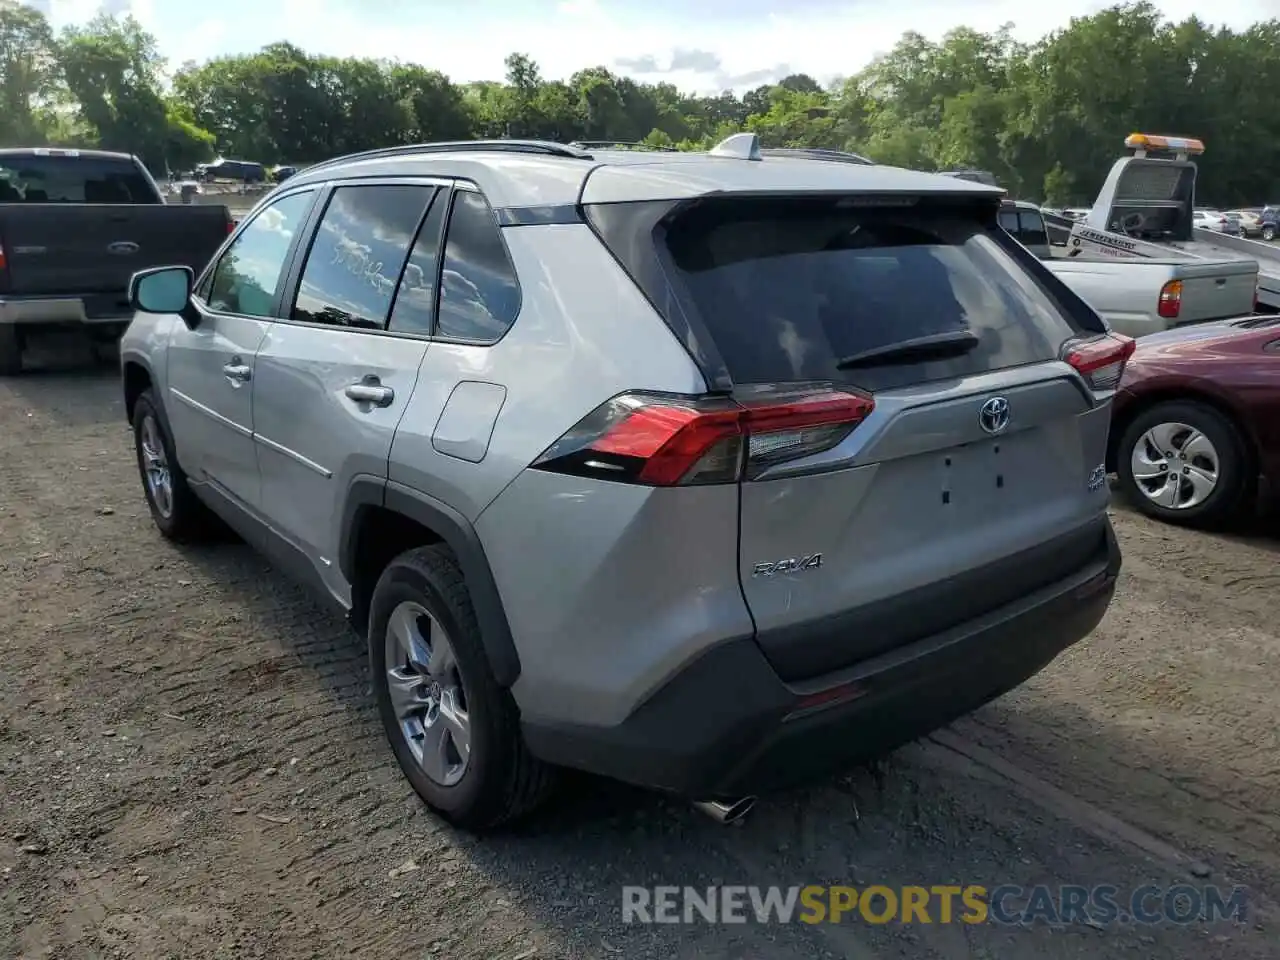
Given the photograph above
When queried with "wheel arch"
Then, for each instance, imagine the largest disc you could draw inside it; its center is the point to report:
(383, 518)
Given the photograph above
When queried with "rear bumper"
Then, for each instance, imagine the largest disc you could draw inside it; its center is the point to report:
(97, 308)
(727, 725)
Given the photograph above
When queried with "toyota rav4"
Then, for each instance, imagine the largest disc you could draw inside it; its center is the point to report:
(710, 472)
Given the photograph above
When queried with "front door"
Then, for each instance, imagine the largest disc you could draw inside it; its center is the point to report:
(331, 381)
(211, 367)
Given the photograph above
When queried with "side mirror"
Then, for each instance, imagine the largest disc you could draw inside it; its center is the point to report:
(161, 290)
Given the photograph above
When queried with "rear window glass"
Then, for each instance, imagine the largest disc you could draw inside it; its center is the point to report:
(37, 179)
(789, 288)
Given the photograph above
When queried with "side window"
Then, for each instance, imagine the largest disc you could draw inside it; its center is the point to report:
(245, 279)
(415, 305)
(356, 255)
(1033, 233)
(1009, 221)
(479, 296)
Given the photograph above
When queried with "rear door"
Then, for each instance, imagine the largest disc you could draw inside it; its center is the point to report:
(331, 381)
(977, 477)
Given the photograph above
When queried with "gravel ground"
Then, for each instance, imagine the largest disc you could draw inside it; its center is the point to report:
(190, 767)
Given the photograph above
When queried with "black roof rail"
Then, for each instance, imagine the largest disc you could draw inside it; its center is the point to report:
(545, 147)
(817, 153)
(629, 144)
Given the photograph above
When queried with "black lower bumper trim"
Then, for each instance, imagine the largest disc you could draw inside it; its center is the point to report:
(717, 728)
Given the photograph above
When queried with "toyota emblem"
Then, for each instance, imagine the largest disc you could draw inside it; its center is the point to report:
(994, 415)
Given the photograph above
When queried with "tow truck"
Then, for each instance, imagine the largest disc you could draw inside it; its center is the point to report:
(1146, 210)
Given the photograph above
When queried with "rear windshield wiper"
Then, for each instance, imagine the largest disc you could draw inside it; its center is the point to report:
(953, 343)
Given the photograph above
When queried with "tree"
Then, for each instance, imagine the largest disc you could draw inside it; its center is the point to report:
(28, 71)
(112, 69)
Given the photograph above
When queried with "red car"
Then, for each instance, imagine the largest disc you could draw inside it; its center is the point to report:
(1196, 422)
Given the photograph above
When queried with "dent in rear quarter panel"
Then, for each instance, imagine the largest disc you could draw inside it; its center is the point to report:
(583, 335)
(611, 588)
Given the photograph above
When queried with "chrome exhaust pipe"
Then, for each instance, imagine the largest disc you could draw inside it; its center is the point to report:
(730, 812)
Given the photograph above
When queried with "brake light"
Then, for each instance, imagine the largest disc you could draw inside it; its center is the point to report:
(231, 227)
(4, 263)
(1170, 303)
(666, 441)
(1101, 361)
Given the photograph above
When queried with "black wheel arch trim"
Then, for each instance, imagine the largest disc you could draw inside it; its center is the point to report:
(461, 537)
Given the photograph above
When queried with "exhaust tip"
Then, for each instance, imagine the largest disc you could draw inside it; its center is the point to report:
(730, 811)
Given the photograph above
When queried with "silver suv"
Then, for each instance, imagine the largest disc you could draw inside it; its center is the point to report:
(709, 472)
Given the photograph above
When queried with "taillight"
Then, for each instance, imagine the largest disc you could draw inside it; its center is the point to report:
(1101, 361)
(231, 227)
(4, 263)
(1170, 303)
(666, 441)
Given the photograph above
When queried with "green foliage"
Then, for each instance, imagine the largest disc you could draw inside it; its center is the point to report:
(1047, 118)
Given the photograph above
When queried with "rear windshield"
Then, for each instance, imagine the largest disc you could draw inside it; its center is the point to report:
(789, 288)
(41, 179)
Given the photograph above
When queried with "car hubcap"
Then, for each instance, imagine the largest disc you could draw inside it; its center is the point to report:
(426, 693)
(155, 468)
(1175, 466)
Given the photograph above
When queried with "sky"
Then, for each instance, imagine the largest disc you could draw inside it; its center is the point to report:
(699, 45)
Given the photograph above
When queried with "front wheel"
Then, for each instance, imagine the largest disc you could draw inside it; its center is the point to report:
(454, 731)
(1269, 232)
(178, 513)
(1184, 462)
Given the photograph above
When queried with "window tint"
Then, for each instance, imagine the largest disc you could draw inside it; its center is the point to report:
(356, 256)
(479, 297)
(246, 277)
(1032, 232)
(1009, 221)
(83, 179)
(415, 305)
(788, 288)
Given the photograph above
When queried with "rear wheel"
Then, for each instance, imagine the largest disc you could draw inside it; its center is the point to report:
(1269, 232)
(10, 350)
(1184, 462)
(454, 731)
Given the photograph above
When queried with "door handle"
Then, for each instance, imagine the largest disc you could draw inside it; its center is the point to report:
(237, 372)
(369, 390)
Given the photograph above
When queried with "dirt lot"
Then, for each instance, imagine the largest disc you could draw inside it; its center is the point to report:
(189, 766)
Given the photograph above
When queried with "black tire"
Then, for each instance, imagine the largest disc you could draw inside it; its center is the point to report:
(10, 350)
(502, 781)
(1269, 233)
(187, 519)
(1235, 484)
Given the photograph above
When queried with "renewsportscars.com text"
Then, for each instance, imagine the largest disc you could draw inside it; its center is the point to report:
(1006, 904)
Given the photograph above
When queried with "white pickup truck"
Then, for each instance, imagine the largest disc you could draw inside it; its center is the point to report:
(1135, 296)
(1146, 211)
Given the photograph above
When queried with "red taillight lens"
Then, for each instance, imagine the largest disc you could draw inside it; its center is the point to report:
(3, 262)
(1101, 361)
(231, 227)
(679, 441)
(1170, 303)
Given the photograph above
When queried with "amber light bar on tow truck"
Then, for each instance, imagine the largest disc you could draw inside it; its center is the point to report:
(1147, 141)
(666, 441)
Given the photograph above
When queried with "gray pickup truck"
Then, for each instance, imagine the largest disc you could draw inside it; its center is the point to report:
(1140, 295)
(74, 226)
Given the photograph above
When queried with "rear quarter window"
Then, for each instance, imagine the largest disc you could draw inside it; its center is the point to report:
(789, 288)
